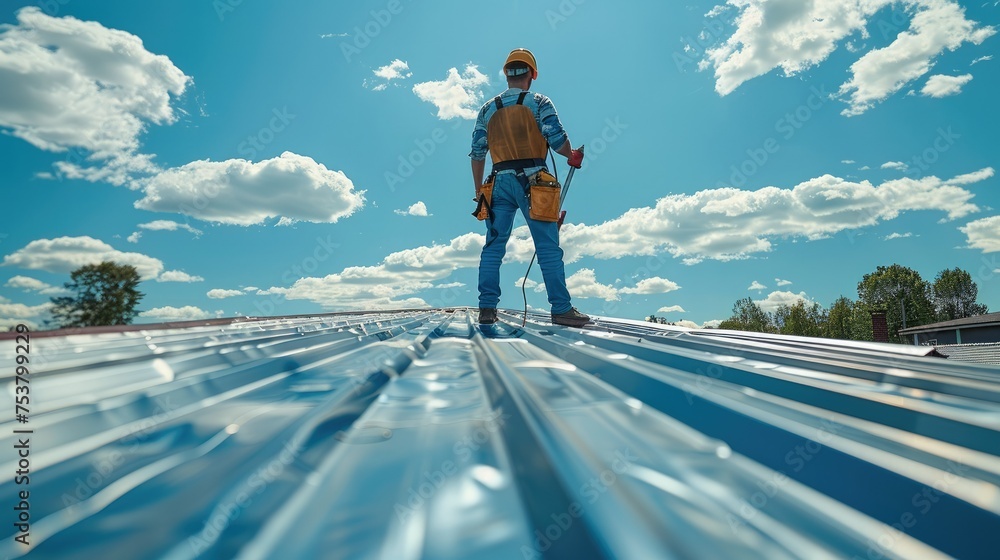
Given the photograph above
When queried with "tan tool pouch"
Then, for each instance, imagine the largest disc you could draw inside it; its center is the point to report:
(543, 194)
(484, 200)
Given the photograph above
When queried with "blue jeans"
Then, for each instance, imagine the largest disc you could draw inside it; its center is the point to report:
(508, 196)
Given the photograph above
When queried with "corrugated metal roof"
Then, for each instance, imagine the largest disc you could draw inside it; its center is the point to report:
(418, 434)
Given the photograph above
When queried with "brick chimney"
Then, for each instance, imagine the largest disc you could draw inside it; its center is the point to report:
(880, 327)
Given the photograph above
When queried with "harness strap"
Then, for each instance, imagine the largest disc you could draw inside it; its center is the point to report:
(518, 164)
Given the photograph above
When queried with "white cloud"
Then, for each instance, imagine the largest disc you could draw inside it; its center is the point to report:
(755, 285)
(458, 95)
(449, 285)
(981, 59)
(249, 289)
(170, 313)
(178, 276)
(940, 85)
(13, 314)
(395, 70)
(775, 299)
(719, 224)
(894, 165)
(848, 161)
(237, 191)
(937, 25)
(583, 284)
(77, 85)
(671, 309)
(530, 284)
(714, 323)
(864, 168)
(162, 225)
(728, 223)
(219, 293)
(29, 284)
(416, 209)
(65, 254)
(895, 235)
(795, 36)
(983, 234)
(653, 285)
(169, 225)
(686, 323)
(781, 282)
(387, 284)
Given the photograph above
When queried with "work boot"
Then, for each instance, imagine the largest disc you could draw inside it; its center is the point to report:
(571, 318)
(487, 316)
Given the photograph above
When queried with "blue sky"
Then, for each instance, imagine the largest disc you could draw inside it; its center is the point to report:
(256, 159)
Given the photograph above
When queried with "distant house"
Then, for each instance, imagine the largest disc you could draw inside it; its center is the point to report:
(970, 330)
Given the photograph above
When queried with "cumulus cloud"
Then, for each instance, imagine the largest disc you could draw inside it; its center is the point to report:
(728, 223)
(848, 161)
(795, 36)
(170, 313)
(898, 165)
(236, 191)
(66, 254)
(29, 284)
(983, 234)
(169, 225)
(530, 284)
(583, 284)
(458, 95)
(776, 299)
(178, 276)
(942, 86)
(653, 285)
(395, 70)
(13, 314)
(895, 235)
(219, 293)
(77, 85)
(416, 209)
(162, 225)
(389, 283)
(781, 282)
(671, 309)
(720, 224)
(755, 285)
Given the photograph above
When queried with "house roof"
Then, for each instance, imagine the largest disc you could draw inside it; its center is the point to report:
(985, 320)
(420, 434)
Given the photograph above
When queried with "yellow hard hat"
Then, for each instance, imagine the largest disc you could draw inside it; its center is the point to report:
(525, 56)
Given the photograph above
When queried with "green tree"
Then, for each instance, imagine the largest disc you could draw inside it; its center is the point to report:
(955, 295)
(838, 320)
(748, 316)
(860, 324)
(902, 293)
(799, 319)
(105, 294)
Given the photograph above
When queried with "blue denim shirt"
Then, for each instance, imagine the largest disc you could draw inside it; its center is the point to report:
(545, 115)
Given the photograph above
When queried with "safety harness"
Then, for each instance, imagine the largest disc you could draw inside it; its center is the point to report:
(515, 143)
(513, 137)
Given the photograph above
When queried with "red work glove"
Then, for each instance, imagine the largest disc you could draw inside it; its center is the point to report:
(575, 159)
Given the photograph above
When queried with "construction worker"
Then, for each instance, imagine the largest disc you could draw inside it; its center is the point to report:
(517, 127)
